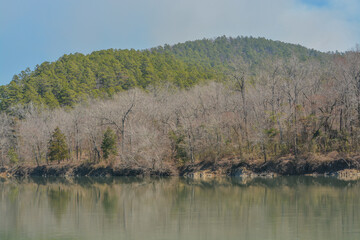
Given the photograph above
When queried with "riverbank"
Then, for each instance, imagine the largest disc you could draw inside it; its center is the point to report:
(327, 165)
(331, 164)
(81, 170)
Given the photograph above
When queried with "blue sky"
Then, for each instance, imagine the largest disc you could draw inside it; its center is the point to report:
(316, 3)
(43, 30)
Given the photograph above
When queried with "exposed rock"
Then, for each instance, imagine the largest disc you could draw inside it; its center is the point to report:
(243, 172)
(347, 174)
(282, 166)
(201, 174)
(3, 175)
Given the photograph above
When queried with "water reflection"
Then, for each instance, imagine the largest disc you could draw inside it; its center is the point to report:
(172, 208)
(58, 198)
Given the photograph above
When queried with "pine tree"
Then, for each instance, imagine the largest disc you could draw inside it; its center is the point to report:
(58, 149)
(108, 145)
(50, 100)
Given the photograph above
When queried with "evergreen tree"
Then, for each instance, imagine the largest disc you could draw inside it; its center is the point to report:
(13, 156)
(76, 77)
(58, 149)
(108, 145)
(50, 100)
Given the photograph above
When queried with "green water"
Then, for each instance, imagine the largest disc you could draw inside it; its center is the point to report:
(172, 208)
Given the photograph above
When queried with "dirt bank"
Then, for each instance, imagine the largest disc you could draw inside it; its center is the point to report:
(307, 165)
(85, 169)
(331, 164)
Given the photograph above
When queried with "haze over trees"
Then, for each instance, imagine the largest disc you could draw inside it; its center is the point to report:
(203, 100)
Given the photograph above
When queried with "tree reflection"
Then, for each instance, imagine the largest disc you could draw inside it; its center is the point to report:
(109, 202)
(58, 199)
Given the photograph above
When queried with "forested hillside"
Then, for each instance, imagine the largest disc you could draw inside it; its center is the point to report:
(222, 51)
(76, 77)
(258, 100)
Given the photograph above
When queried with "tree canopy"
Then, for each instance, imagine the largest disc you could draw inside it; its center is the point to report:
(76, 77)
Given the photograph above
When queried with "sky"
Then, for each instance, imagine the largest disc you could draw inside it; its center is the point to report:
(35, 31)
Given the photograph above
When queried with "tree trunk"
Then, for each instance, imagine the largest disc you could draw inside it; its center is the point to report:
(264, 151)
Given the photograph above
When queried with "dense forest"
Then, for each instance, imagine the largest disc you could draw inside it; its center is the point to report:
(222, 51)
(248, 98)
(76, 77)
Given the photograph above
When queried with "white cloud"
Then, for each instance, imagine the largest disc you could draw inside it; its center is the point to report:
(137, 23)
(325, 28)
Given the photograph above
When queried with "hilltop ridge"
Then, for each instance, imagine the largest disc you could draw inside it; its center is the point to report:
(76, 77)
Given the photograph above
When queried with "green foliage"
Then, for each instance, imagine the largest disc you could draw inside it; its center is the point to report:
(220, 52)
(271, 132)
(58, 149)
(179, 146)
(13, 156)
(50, 100)
(75, 77)
(108, 145)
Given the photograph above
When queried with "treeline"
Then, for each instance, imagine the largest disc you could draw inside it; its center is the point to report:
(289, 107)
(76, 77)
(221, 51)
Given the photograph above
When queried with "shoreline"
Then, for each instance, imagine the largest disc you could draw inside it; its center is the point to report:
(342, 167)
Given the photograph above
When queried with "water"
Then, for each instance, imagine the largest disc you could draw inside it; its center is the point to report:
(125, 208)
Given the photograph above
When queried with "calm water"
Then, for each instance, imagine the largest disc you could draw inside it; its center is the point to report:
(123, 208)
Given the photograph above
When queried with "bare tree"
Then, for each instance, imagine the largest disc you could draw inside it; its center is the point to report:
(5, 135)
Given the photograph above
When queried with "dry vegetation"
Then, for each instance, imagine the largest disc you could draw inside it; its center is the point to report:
(288, 107)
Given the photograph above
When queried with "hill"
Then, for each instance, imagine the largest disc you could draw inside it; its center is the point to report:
(76, 77)
(221, 100)
(223, 50)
